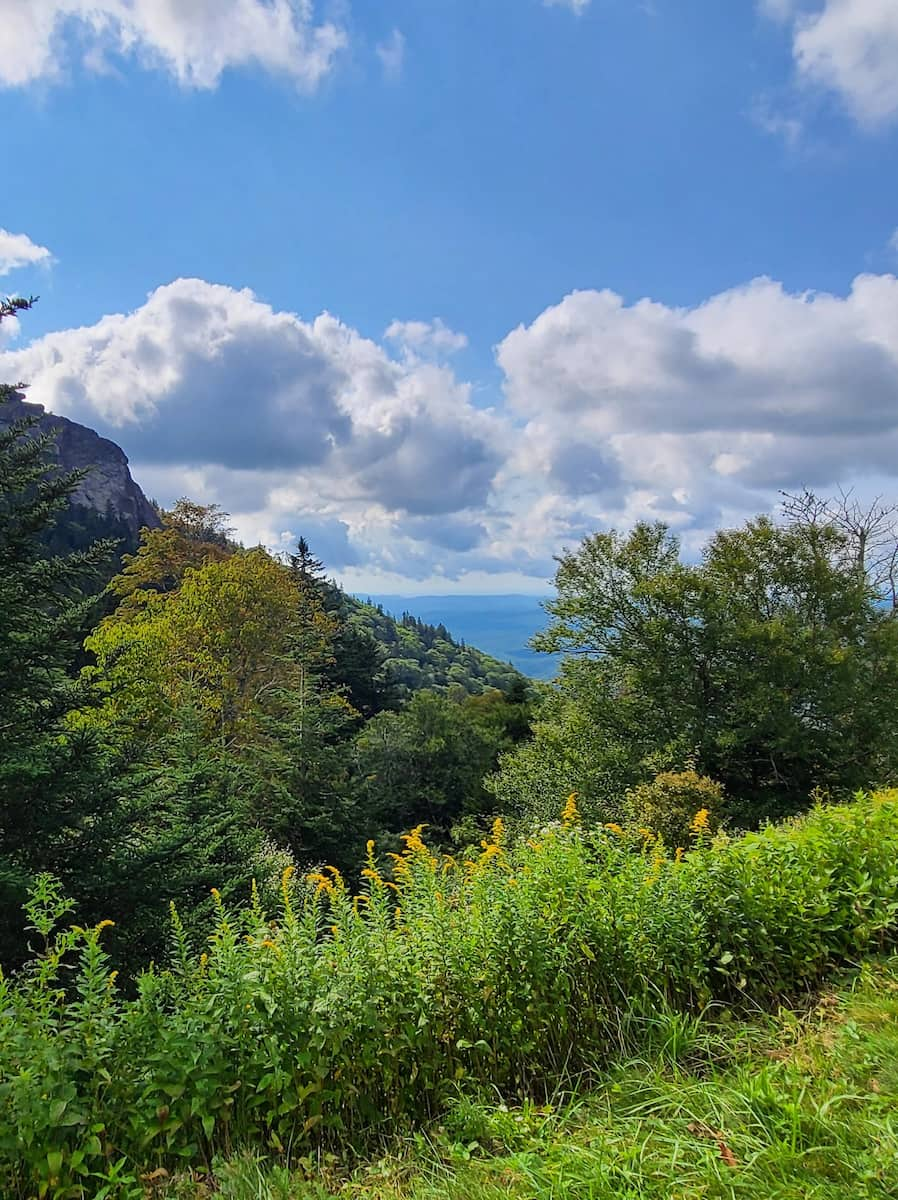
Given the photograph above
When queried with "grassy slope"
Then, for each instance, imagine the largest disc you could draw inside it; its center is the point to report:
(788, 1109)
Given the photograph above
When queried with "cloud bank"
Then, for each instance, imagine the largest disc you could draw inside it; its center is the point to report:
(607, 411)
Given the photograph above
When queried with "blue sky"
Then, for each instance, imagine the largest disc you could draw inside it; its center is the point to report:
(557, 210)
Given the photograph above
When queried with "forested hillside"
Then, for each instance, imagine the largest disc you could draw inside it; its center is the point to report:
(420, 655)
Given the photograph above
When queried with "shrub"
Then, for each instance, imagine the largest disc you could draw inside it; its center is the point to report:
(668, 804)
(348, 1012)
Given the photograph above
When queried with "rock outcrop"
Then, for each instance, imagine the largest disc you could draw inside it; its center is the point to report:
(108, 489)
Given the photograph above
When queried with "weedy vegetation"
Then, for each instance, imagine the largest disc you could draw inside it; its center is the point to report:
(342, 1019)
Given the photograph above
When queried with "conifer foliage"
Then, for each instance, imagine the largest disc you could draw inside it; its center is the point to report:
(50, 777)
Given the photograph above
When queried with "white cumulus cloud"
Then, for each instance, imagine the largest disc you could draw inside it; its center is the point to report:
(193, 40)
(18, 250)
(849, 47)
(425, 337)
(270, 409)
(693, 413)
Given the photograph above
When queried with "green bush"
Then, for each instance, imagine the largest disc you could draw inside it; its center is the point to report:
(668, 805)
(346, 1013)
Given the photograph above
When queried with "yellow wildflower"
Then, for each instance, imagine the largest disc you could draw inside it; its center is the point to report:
(498, 830)
(613, 827)
(678, 857)
(401, 868)
(104, 924)
(110, 982)
(413, 842)
(657, 860)
(700, 822)
(569, 813)
(321, 882)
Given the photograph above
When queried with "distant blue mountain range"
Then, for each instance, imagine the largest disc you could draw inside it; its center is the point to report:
(498, 625)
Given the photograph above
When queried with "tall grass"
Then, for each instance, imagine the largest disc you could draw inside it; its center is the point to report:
(342, 1014)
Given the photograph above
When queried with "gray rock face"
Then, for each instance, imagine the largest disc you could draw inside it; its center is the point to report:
(108, 489)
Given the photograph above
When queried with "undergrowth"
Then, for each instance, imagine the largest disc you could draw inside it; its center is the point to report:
(343, 1019)
(798, 1107)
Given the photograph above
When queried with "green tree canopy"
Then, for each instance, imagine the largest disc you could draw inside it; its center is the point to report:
(765, 664)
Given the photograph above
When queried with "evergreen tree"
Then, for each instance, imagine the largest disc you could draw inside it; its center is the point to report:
(51, 776)
(304, 566)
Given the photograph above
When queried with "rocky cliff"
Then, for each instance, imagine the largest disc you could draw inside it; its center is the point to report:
(108, 489)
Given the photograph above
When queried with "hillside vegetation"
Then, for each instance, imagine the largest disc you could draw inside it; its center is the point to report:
(338, 1017)
(418, 655)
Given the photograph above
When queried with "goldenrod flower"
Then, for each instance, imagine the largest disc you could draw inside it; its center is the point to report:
(678, 857)
(322, 883)
(613, 827)
(498, 830)
(657, 860)
(104, 924)
(400, 865)
(413, 842)
(700, 822)
(569, 813)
